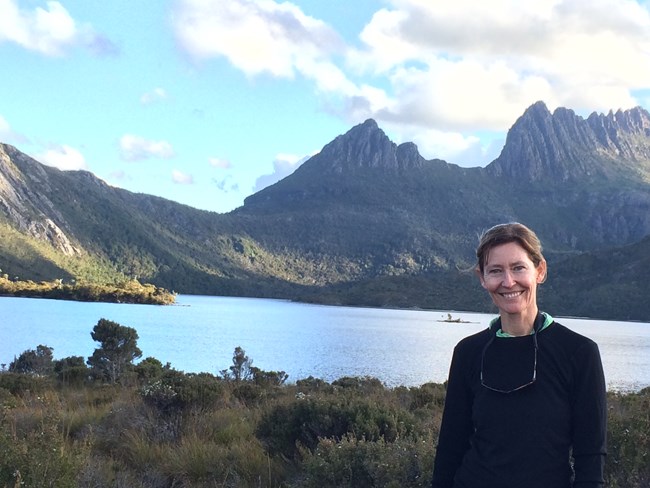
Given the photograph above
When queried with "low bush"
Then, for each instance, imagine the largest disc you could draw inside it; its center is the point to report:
(358, 463)
(285, 427)
(628, 443)
(199, 430)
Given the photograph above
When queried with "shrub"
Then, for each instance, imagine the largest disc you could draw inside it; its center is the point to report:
(33, 449)
(150, 369)
(71, 371)
(19, 384)
(628, 440)
(306, 421)
(365, 384)
(177, 391)
(311, 384)
(358, 463)
(37, 362)
(7, 400)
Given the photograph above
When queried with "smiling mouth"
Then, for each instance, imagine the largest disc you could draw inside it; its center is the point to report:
(513, 294)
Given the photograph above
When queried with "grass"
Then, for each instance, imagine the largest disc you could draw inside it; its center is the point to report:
(353, 432)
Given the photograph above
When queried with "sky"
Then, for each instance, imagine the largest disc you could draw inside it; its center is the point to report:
(206, 102)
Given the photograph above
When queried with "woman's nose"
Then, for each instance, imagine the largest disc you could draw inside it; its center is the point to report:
(508, 279)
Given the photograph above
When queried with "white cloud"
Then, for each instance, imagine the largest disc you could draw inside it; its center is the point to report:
(155, 95)
(470, 64)
(463, 95)
(219, 163)
(262, 37)
(136, 148)
(283, 166)
(63, 157)
(453, 147)
(437, 69)
(49, 30)
(182, 178)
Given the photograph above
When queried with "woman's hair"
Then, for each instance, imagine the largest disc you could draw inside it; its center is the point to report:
(505, 233)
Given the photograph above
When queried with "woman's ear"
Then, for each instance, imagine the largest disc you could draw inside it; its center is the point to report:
(541, 272)
(478, 273)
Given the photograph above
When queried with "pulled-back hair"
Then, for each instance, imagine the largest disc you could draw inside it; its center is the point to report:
(505, 233)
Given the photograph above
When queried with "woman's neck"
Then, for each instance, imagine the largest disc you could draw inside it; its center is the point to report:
(519, 324)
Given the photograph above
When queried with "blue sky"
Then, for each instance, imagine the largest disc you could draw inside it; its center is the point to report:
(207, 101)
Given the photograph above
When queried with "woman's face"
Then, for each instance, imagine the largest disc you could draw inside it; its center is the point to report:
(511, 279)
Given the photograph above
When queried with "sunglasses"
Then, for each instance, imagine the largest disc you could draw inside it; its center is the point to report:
(533, 377)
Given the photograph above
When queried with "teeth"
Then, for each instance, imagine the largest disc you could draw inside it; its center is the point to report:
(512, 295)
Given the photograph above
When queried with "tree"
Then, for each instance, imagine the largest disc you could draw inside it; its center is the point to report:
(118, 349)
(268, 378)
(241, 369)
(71, 370)
(37, 362)
(150, 369)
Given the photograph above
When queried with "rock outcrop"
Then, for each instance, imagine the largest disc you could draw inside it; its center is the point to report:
(365, 146)
(27, 209)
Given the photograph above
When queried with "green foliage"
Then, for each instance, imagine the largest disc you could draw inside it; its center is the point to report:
(118, 349)
(37, 362)
(358, 463)
(71, 370)
(340, 230)
(131, 291)
(150, 369)
(20, 384)
(304, 422)
(191, 430)
(179, 429)
(175, 391)
(241, 367)
(628, 442)
(268, 378)
(33, 449)
(7, 400)
(251, 384)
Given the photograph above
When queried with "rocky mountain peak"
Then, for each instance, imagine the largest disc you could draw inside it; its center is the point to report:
(365, 146)
(562, 146)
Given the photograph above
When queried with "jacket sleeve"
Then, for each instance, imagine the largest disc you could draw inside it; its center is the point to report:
(456, 426)
(589, 411)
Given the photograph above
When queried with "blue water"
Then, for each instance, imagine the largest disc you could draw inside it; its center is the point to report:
(200, 333)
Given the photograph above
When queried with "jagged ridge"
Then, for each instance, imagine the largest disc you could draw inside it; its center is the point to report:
(563, 146)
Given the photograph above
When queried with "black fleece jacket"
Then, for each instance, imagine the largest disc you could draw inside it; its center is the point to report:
(526, 438)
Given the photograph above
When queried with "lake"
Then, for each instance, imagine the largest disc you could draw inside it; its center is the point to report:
(200, 333)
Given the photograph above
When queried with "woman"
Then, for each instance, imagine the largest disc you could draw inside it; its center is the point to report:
(526, 400)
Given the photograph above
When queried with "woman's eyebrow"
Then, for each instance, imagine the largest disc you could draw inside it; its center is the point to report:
(500, 265)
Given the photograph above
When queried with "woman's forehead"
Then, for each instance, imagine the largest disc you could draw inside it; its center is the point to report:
(507, 253)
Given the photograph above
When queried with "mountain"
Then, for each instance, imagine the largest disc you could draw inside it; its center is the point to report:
(364, 220)
(562, 147)
(72, 225)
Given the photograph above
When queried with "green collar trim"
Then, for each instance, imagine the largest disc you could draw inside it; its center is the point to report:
(548, 320)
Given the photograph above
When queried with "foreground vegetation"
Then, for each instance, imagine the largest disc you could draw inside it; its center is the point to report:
(128, 291)
(106, 422)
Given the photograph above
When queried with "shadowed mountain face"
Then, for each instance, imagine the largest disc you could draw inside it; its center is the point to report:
(362, 209)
